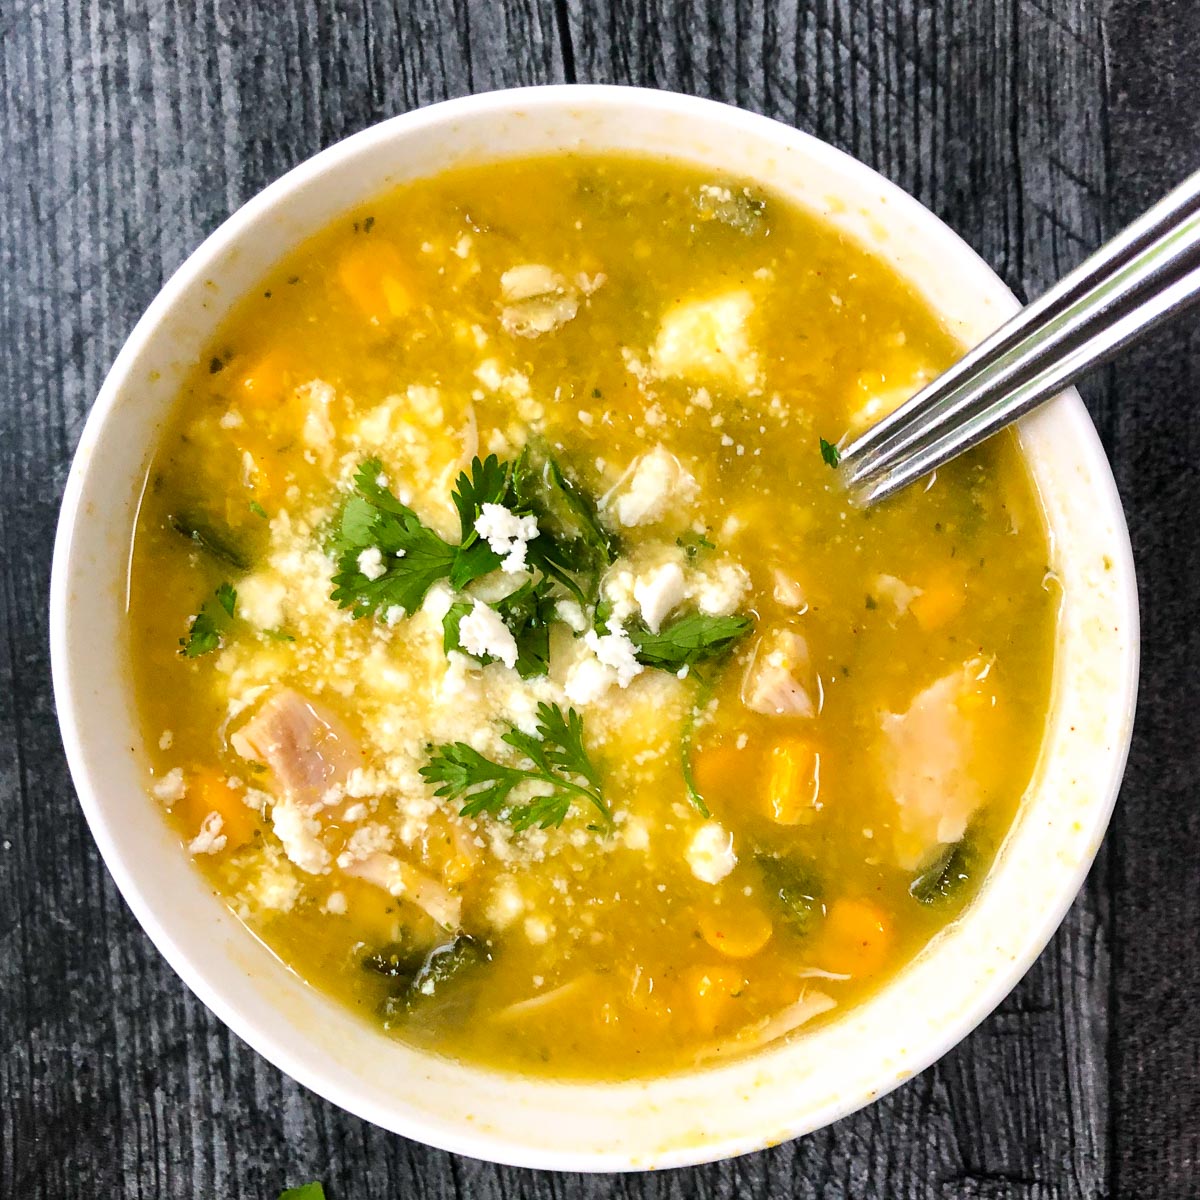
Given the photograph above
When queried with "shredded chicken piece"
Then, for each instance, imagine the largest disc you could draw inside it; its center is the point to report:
(788, 592)
(898, 593)
(536, 1006)
(926, 757)
(761, 1033)
(537, 300)
(305, 746)
(772, 684)
(399, 878)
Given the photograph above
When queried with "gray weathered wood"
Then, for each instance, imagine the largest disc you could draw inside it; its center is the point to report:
(130, 128)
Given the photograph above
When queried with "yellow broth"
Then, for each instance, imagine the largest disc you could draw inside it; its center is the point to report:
(719, 327)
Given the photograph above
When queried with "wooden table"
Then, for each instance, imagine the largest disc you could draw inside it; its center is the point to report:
(130, 128)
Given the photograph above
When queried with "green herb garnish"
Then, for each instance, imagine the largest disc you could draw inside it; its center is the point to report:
(215, 544)
(227, 598)
(795, 887)
(571, 548)
(204, 633)
(413, 557)
(948, 871)
(688, 640)
(527, 613)
(443, 967)
(306, 1191)
(203, 636)
(691, 543)
(830, 453)
(559, 761)
(258, 510)
(685, 749)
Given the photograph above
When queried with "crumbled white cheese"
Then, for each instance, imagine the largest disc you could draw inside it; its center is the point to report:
(506, 905)
(483, 634)
(635, 834)
(507, 534)
(615, 650)
(317, 431)
(335, 903)
(364, 843)
(656, 483)
(537, 931)
(437, 601)
(588, 680)
(260, 600)
(719, 591)
(210, 839)
(571, 614)
(710, 853)
(658, 592)
(170, 787)
(370, 562)
(299, 836)
(273, 887)
(165, 740)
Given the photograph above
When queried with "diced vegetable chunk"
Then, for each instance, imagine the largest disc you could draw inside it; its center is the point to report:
(377, 280)
(793, 782)
(855, 939)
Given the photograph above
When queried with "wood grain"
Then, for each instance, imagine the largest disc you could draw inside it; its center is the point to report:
(130, 128)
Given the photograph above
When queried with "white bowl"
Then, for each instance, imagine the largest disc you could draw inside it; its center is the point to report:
(786, 1090)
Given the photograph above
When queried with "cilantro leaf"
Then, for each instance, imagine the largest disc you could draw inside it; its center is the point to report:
(557, 759)
(571, 541)
(488, 483)
(451, 639)
(227, 597)
(413, 557)
(464, 774)
(830, 453)
(528, 612)
(693, 638)
(258, 510)
(306, 1191)
(203, 636)
(204, 632)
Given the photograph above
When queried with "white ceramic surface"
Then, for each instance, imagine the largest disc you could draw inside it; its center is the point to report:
(790, 1088)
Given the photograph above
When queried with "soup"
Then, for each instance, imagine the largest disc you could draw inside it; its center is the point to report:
(510, 658)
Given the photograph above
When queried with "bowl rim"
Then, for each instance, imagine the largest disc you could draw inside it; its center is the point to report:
(277, 1048)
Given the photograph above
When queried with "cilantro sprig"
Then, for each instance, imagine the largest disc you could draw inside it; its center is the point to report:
(830, 453)
(527, 612)
(557, 758)
(572, 548)
(204, 632)
(414, 558)
(567, 557)
(690, 639)
(306, 1191)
